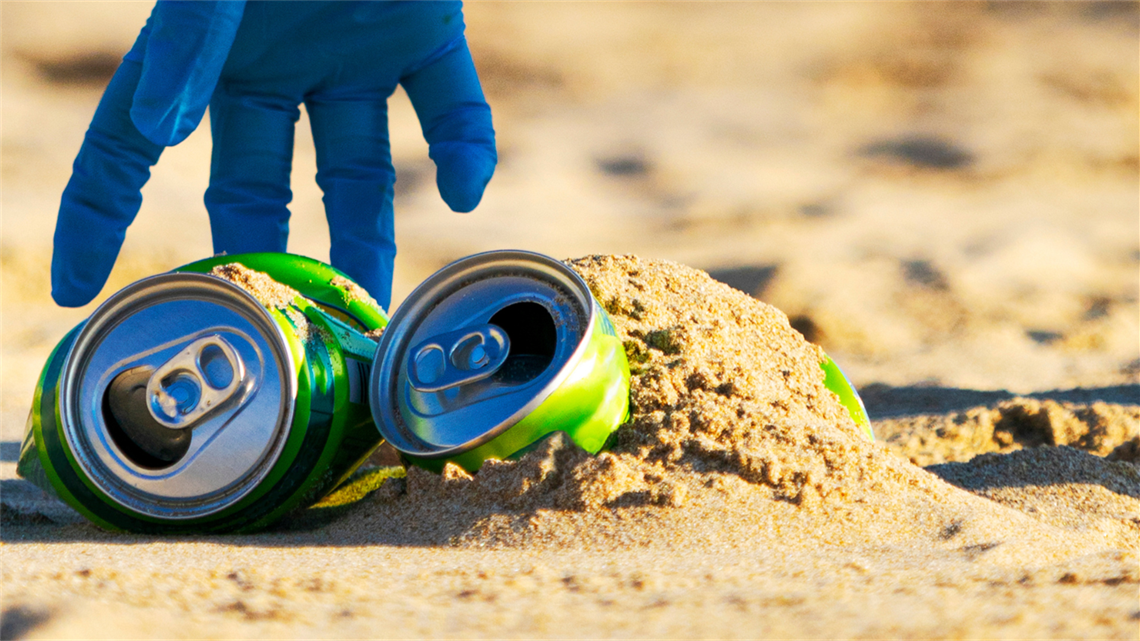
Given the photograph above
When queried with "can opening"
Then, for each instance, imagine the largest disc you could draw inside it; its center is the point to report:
(140, 438)
(530, 328)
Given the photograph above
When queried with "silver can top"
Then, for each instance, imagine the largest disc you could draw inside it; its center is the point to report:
(178, 395)
(475, 348)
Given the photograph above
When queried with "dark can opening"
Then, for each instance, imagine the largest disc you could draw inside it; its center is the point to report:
(534, 338)
(140, 438)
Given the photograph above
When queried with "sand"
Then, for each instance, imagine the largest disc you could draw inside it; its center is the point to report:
(737, 471)
(1103, 429)
(268, 292)
(353, 291)
(941, 196)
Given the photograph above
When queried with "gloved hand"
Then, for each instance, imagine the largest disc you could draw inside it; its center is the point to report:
(254, 64)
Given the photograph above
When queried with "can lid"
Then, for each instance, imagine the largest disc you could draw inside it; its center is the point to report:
(177, 396)
(475, 348)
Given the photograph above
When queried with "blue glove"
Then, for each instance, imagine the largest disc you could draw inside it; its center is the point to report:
(254, 64)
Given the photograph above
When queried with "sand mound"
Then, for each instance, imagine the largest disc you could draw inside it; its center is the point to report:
(1099, 428)
(722, 385)
(1062, 486)
(734, 444)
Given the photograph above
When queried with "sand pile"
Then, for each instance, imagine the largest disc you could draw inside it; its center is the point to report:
(1062, 486)
(1103, 429)
(722, 385)
(734, 443)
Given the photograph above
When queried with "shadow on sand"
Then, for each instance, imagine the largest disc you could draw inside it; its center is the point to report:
(884, 401)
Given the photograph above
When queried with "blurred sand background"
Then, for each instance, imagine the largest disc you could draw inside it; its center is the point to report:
(944, 196)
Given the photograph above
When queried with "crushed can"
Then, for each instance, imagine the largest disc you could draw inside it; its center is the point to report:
(191, 402)
(492, 354)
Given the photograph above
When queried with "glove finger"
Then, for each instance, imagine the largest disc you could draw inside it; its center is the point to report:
(103, 195)
(354, 170)
(185, 53)
(456, 122)
(249, 193)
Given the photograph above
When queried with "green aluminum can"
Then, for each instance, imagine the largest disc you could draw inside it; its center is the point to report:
(492, 354)
(836, 381)
(208, 402)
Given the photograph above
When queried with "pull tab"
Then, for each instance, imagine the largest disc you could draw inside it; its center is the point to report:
(457, 358)
(198, 380)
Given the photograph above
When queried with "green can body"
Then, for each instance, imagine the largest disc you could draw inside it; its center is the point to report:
(329, 430)
(836, 381)
(588, 406)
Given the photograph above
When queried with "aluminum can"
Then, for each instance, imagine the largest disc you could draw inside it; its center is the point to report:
(492, 354)
(186, 403)
(836, 381)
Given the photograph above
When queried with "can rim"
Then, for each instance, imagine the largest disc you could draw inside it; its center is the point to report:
(397, 336)
(110, 314)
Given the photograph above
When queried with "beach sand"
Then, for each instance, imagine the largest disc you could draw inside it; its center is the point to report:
(945, 198)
